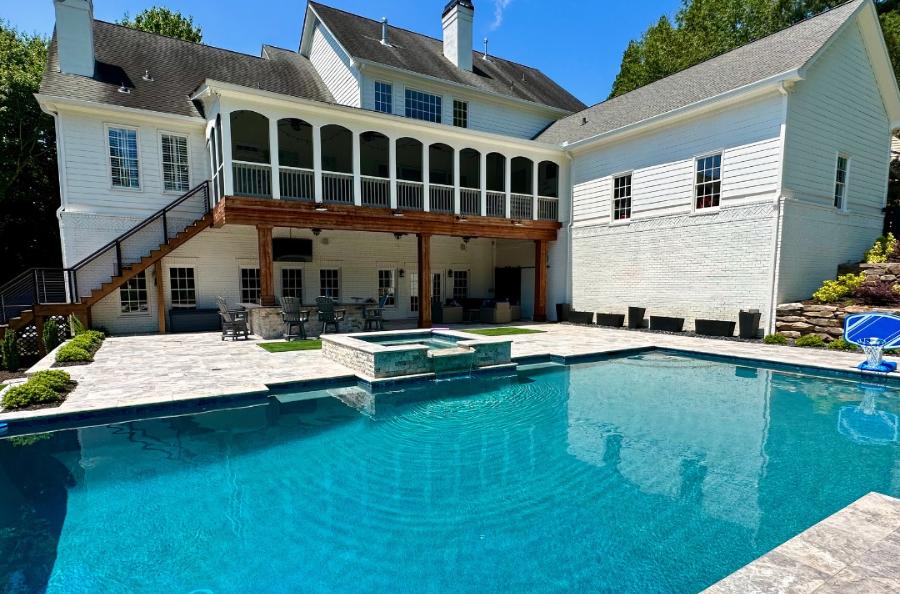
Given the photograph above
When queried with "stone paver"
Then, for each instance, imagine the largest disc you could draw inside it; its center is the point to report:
(855, 550)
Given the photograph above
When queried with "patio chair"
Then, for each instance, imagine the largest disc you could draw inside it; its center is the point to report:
(328, 315)
(234, 321)
(374, 316)
(294, 318)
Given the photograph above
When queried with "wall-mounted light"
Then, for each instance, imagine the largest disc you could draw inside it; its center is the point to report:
(402, 273)
(316, 232)
(467, 239)
(449, 273)
(399, 236)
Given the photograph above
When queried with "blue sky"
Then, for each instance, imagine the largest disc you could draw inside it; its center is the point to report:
(578, 43)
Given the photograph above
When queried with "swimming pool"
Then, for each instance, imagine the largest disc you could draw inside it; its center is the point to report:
(650, 473)
(432, 340)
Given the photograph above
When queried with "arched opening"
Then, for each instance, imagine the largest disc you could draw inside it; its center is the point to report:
(250, 154)
(548, 179)
(375, 169)
(295, 159)
(495, 169)
(337, 164)
(521, 204)
(470, 182)
(440, 172)
(409, 174)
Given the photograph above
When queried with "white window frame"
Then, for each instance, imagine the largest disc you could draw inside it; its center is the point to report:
(162, 165)
(843, 206)
(465, 109)
(340, 287)
(468, 283)
(612, 198)
(302, 272)
(439, 105)
(172, 288)
(392, 302)
(139, 313)
(109, 171)
(390, 87)
(695, 185)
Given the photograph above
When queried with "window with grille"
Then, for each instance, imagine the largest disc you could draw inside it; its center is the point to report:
(292, 283)
(386, 286)
(708, 187)
(413, 291)
(840, 181)
(176, 177)
(436, 286)
(251, 289)
(460, 284)
(460, 114)
(133, 295)
(330, 283)
(423, 106)
(183, 287)
(123, 158)
(384, 97)
(622, 198)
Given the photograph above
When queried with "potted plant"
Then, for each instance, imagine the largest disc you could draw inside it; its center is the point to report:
(714, 327)
(612, 320)
(748, 323)
(666, 324)
(581, 317)
(636, 317)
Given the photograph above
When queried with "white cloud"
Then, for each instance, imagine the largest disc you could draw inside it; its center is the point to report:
(499, 8)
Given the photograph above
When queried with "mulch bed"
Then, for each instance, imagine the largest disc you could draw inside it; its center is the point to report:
(8, 375)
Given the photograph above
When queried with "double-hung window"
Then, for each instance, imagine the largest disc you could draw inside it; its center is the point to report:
(460, 284)
(251, 288)
(292, 283)
(423, 106)
(386, 286)
(183, 287)
(384, 97)
(621, 207)
(460, 113)
(708, 185)
(330, 283)
(413, 291)
(123, 157)
(133, 295)
(840, 182)
(176, 176)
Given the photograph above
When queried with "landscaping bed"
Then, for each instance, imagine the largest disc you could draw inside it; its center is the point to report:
(80, 350)
(44, 389)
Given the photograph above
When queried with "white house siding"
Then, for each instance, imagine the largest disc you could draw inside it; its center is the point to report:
(836, 109)
(335, 68)
(484, 115)
(668, 259)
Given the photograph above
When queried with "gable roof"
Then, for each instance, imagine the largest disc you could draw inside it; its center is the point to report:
(178, 67)
(420, 54)
(787, 50)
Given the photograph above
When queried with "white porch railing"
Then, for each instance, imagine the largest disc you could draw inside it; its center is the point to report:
(521, 206)
(376, 191)
(469, 201)
(410, 195)
(440, 198)
(496, 204)
(337, 187)
(548, 208)
(297, 184)
(253, 180)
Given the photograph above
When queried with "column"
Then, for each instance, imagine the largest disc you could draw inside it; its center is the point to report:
(266, 271)
(534, 189)
(540, 280)
(424, 267)
(456, 191)
(160, 296)
(227, 170)
(392, 167)
(273, 159)
(317, 162)
(426, 178)
(357, 167)
(482, 170)
(507, 184)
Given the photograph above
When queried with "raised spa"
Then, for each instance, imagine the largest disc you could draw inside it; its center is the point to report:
(405, 352)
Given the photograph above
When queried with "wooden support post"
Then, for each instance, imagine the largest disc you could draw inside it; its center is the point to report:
(266, 272)
(540, 280)
(424, 264)
(160, 296)
(39, 330)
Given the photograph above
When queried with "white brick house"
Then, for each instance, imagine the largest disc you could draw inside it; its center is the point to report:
(413, 166)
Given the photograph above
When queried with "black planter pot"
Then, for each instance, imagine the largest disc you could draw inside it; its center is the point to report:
(581, 317)
(666, 324)
(636, 317)
(748, 323)
(714, 327)
(612, 320)
(562, 312)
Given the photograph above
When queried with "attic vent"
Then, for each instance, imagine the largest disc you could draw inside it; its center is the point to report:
(384, 32)
(147, 76)
(485, 56)
(124, 90)
(584, 121)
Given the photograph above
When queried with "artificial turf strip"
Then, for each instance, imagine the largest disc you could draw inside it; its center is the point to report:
(503, 331)
(297, 345)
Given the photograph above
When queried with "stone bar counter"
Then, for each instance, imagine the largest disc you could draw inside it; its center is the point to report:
(265, 320)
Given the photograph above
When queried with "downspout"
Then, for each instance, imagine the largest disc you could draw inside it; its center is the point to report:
(784, 90)
(569, 227)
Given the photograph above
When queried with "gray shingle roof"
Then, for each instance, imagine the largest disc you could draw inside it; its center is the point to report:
(178, 68)
(780, 52)
(418, 53)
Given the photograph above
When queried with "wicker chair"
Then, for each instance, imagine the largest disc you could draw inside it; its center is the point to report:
(235, 322)
(328, 315)
(293, 318)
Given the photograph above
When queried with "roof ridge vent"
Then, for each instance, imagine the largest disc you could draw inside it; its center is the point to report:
(384, 33)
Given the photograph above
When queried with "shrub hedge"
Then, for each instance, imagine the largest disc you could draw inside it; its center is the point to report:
(80, 349)
(775, 339)
(809, 340)
(44, 387)
(832, 291)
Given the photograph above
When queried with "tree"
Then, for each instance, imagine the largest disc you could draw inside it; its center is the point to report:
(706, 28)
(165, 22)
(29, 180)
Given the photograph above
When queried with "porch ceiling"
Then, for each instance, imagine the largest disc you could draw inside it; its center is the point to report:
(278, 213)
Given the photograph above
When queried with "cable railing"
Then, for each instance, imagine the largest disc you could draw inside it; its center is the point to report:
(297, 183)
(440, 198)
(35, 285)
(252, 180)
(376, 191)
(410, 195)
(337, 188)
(469, 201)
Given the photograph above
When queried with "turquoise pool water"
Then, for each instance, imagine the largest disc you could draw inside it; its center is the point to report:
(652, 473)
(432, 341)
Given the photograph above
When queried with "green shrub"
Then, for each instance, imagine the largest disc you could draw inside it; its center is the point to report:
(72, 353)
(775, 339)
(840, 344)
(30, 394)
(810, 340)
(835, 290)
(55, 379)
(76, 326)
(882, 249)
(51, 335)
(9, 351)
